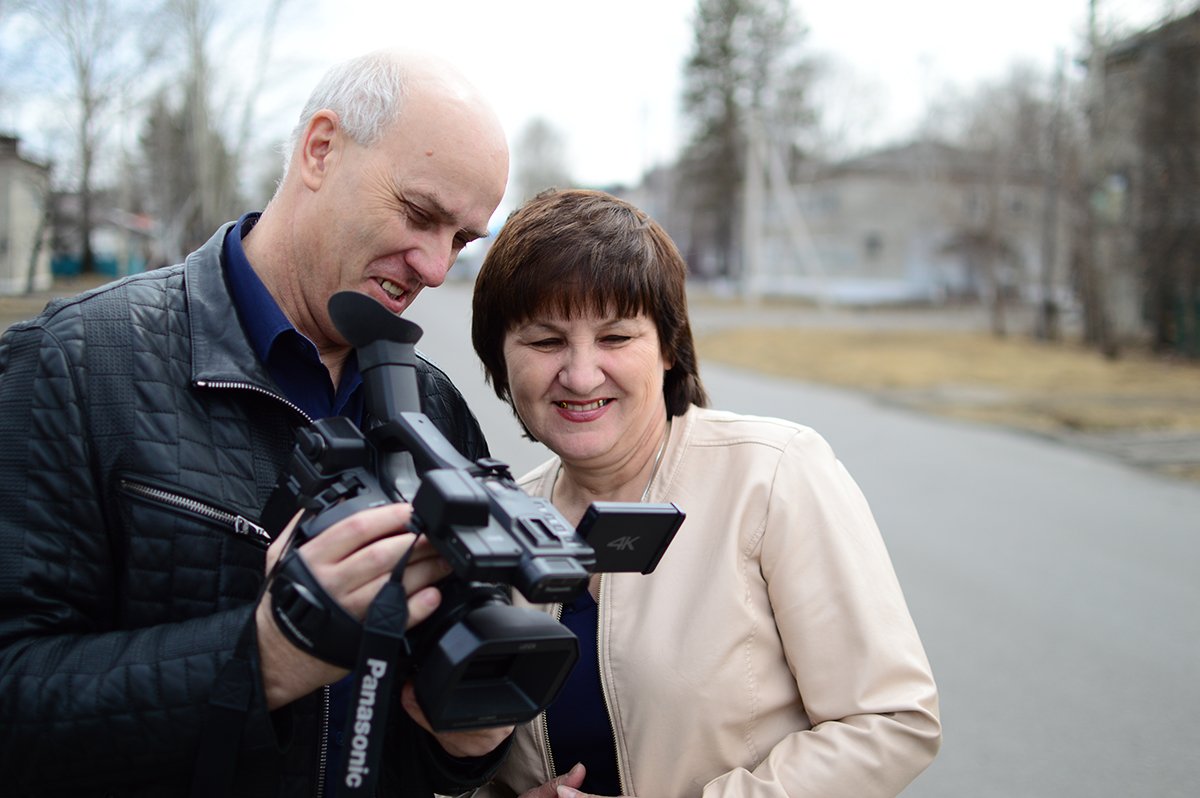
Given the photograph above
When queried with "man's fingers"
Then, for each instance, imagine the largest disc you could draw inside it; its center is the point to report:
(422, 604)
(358, 596)
(361, 529)
(367, 564)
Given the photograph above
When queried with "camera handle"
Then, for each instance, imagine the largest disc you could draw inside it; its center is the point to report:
(309, 617)
(302, 609)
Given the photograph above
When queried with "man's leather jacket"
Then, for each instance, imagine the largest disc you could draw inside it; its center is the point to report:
(139, 439)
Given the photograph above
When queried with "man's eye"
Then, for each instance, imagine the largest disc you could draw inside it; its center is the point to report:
(416, 216)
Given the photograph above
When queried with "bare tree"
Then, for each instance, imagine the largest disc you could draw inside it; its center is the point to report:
(540, 158)
(97, 45)
(191, 162)
(166, 176)
(744, 71)
(1018, 137)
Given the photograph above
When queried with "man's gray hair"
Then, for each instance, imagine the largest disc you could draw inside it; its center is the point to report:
(367, 93)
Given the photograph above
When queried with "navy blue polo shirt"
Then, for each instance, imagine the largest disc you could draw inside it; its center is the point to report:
(577, 721)
(294, 363)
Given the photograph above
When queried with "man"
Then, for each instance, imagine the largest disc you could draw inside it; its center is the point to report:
(143, 427)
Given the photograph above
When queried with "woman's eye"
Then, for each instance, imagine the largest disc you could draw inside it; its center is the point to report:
(544, 343)
(616, 339)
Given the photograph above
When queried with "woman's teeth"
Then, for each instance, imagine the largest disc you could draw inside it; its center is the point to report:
(579, 408)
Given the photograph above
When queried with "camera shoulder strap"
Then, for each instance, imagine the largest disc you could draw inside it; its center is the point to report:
(384, 659)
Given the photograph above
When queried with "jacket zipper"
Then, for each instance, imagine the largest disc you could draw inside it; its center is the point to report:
(558, 611)
(612, 726)
(240, 524)
(323, 756)
(247, 386)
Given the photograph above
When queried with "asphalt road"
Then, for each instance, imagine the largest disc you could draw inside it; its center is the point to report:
(1056, 590)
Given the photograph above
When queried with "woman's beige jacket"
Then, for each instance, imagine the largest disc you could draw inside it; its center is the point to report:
(771, 653)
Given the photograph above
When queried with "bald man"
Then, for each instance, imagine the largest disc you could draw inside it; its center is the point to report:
(143, 426)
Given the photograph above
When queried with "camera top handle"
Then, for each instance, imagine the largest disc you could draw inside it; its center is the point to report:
(386, 348)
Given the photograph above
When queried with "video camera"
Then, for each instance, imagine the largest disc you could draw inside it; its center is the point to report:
(479, 661)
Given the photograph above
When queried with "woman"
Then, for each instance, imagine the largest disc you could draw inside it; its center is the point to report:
(771, 652)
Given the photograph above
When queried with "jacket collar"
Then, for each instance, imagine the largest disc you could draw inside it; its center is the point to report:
(221, 351)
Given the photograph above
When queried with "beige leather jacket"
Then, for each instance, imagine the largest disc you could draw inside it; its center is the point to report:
(771, 653)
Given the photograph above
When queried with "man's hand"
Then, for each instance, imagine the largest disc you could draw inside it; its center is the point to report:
(567, 781)
(353, 560)
(472, 742)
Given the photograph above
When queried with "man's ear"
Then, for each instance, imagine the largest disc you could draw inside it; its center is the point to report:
(319, 147)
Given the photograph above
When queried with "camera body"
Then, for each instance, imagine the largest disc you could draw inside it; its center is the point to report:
(490, 530)
(478, 661)
(486, 527)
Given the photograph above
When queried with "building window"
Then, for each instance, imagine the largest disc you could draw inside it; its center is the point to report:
(872, 246)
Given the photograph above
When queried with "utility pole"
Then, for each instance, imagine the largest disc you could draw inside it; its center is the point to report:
(1093, 261)
(751, 278)
(1047, 324)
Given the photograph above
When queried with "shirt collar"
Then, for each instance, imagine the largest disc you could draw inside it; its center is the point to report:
(258, 310)
(290, 358)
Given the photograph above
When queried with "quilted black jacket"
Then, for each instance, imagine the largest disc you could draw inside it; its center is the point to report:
(139, 439)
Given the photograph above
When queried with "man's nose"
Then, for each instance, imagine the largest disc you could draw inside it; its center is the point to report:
(432, 258)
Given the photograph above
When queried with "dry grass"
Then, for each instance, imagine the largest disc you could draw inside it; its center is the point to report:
(1012, 381)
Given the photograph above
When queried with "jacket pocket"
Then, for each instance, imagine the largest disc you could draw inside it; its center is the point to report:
(235, 523)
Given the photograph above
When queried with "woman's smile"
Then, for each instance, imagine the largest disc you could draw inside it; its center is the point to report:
(580, 407)
(589, 387)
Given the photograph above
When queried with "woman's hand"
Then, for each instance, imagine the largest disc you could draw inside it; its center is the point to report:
(567, 781)
(565, 791)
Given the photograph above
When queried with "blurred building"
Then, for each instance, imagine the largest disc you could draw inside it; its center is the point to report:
(122, 242)
(1144, 242)
(24, 187)
(924, 222)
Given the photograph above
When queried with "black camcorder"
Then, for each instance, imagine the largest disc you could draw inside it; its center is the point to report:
(478, 661)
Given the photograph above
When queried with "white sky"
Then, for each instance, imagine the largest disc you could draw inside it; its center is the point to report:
(607, 74)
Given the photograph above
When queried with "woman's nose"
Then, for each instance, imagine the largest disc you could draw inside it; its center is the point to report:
(581, 373)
